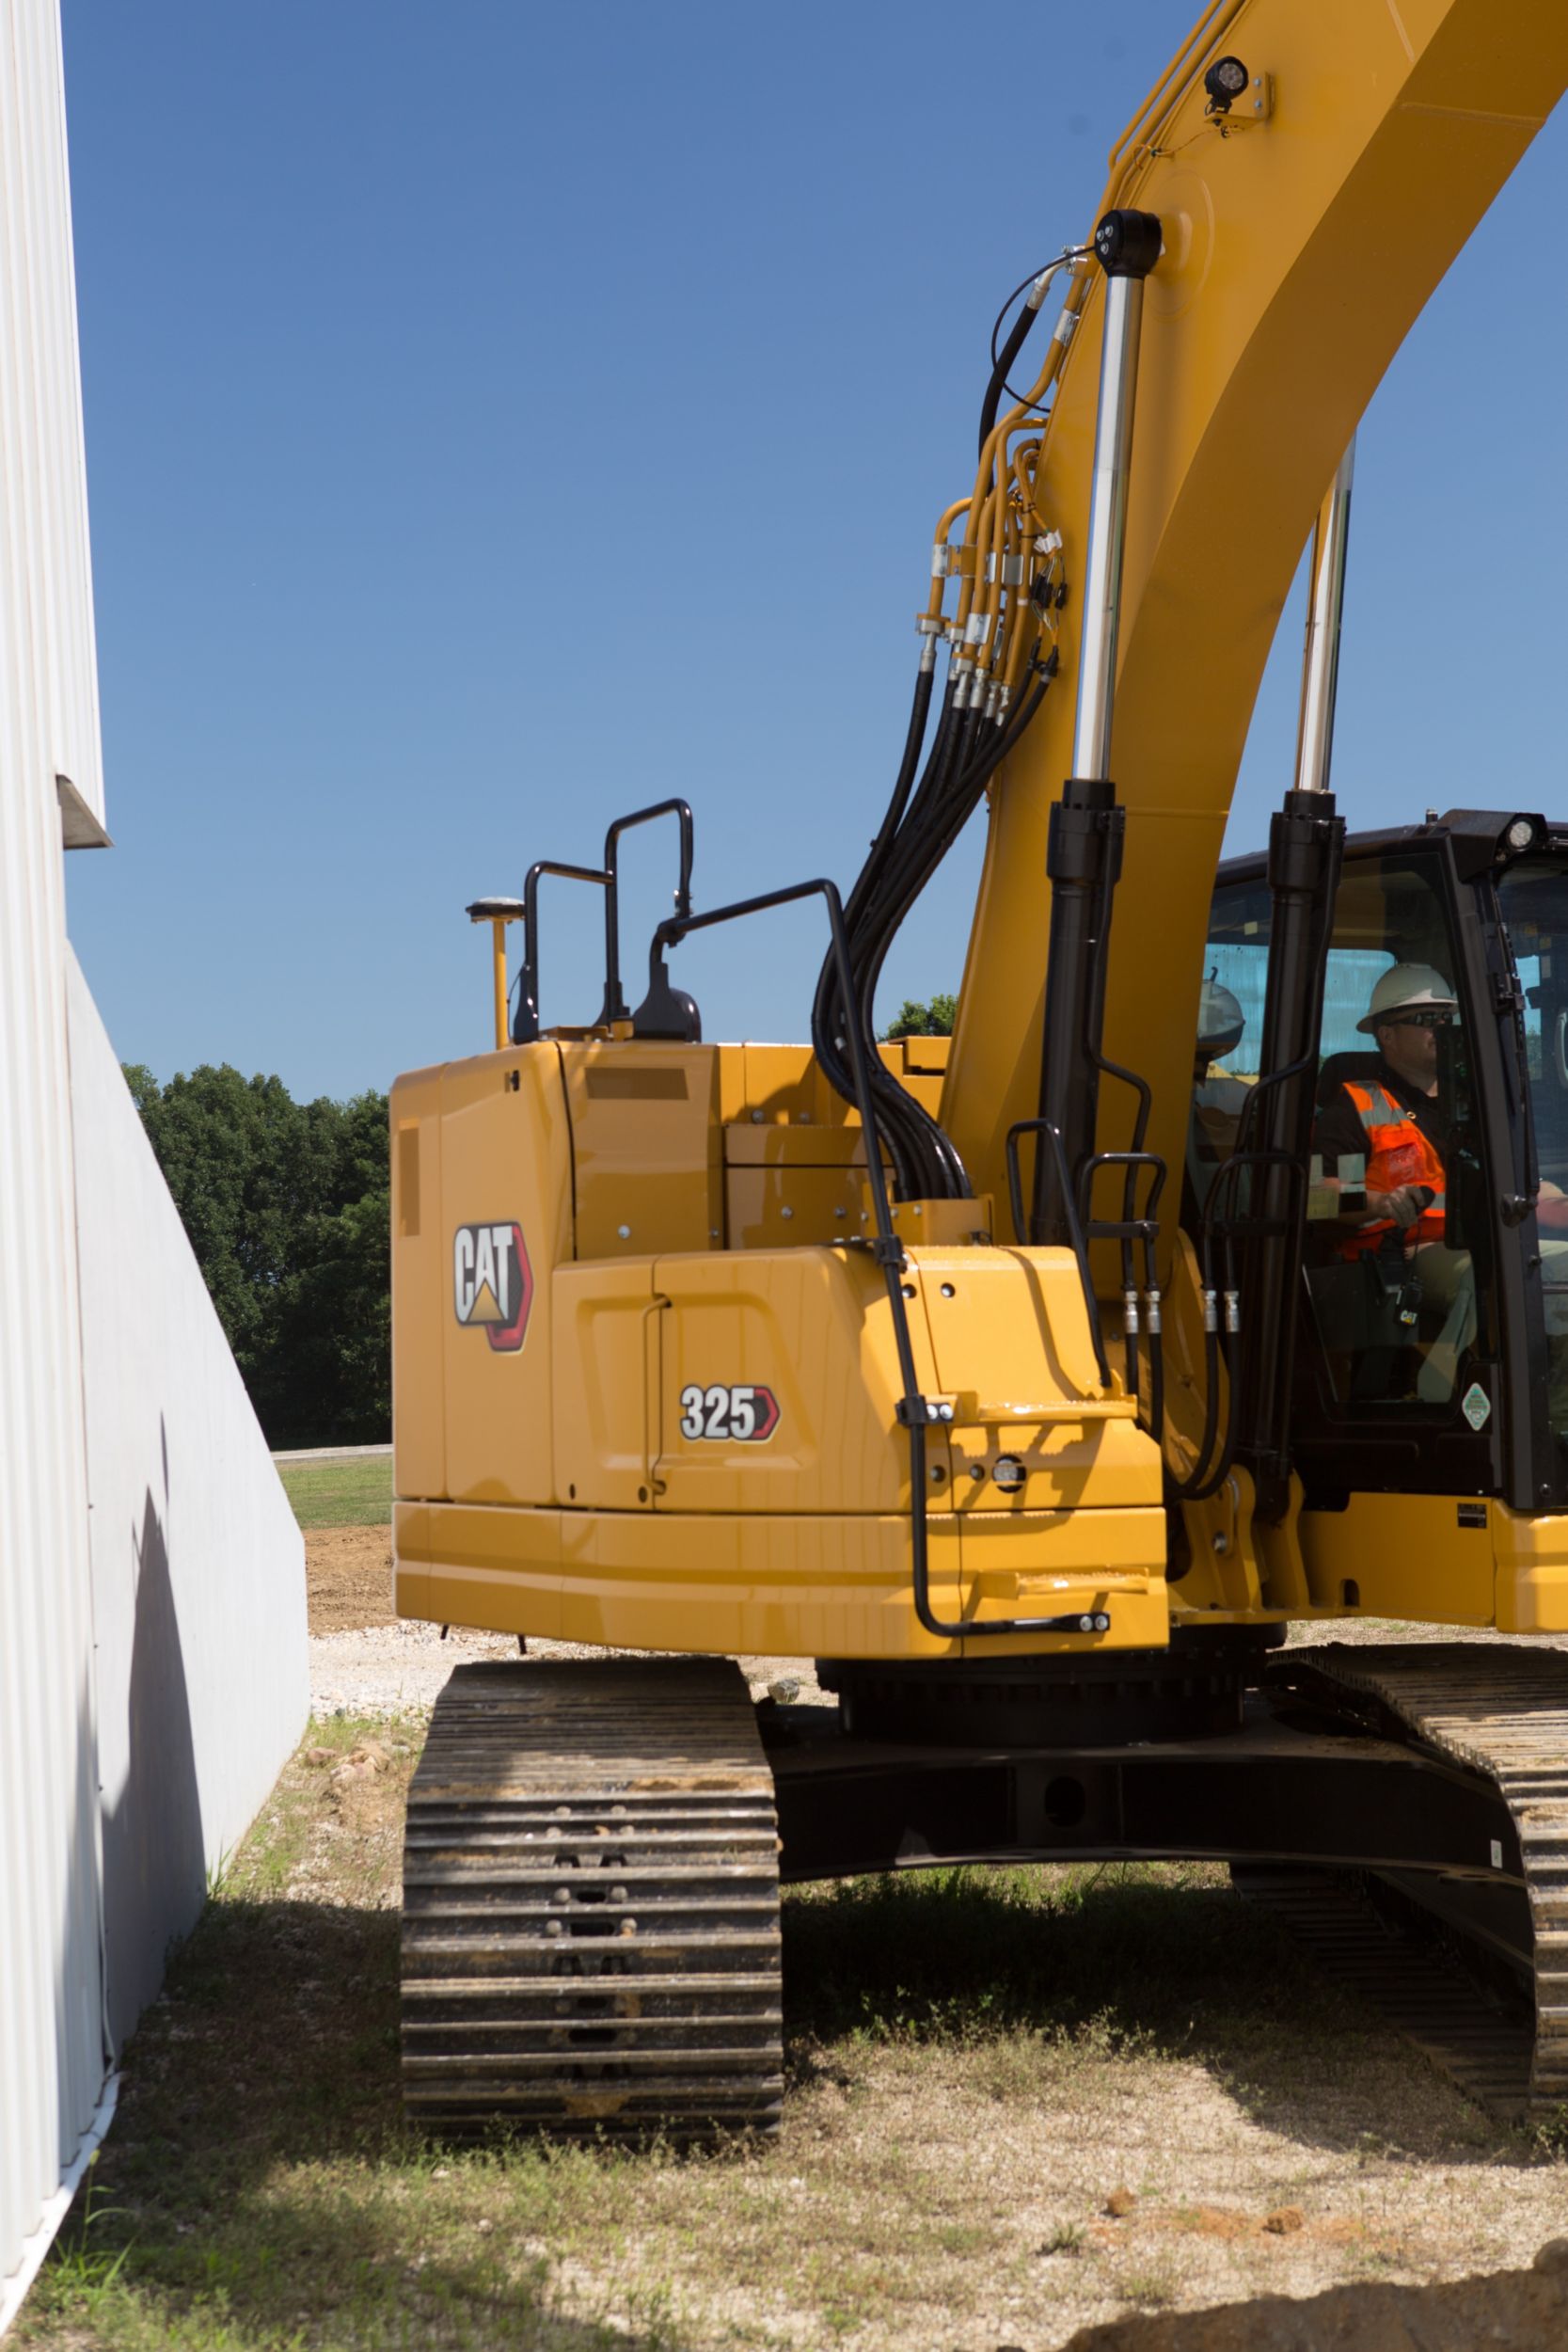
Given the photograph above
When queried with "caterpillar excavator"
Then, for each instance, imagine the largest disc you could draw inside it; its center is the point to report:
(1036, 1382)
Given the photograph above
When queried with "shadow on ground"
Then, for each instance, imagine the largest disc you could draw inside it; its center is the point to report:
(261, 2174)
(1147, 1963)
(1513, 2311)
(261, 2178)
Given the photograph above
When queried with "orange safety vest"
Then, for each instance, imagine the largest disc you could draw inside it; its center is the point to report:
(1397, 1154)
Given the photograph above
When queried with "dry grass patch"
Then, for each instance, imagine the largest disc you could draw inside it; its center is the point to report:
(978, 2061)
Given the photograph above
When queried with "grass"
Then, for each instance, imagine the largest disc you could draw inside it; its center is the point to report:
(965, 2051)
(351, 1491)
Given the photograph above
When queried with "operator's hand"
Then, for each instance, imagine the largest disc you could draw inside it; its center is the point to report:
(1403, 1205)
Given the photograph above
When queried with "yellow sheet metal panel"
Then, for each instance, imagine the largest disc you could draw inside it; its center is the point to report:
(787, 1587)
(606, 1323)
(646, 1145)
(1418, 1556)
(1011, 1332)
(1531, 1571)
(770, 1144)
(504, 1222)
(1084, 1462)
(420, 1286)
(807, 1335)
(783, 1085)
(1062, 1563)
(776, 1208)
(475, 1565)
(792, 1585)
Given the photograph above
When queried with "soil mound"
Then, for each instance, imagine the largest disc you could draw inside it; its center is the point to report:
(1512, 2311)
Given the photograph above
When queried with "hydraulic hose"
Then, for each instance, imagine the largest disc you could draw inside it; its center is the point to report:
(1017, 336)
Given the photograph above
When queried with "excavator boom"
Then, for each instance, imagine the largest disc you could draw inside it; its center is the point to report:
(1304, 231)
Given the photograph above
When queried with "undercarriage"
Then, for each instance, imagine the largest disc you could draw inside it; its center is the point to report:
(591, 1939)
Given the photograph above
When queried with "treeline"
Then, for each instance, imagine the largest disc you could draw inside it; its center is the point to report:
(286, 1206)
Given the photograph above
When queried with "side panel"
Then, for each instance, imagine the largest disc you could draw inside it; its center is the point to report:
(605, 1333)
(1406, 1555)
(1047, 1564)
(800, 1586)
(813, 1329)
(505, 1164)
(477, 1564)
(645, 1142)
(421, 1287)
(787, 1586)
(1533, 1571)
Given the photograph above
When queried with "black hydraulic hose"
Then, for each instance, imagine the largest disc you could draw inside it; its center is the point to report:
(829, 1012)
(1018, 335)
(944, 1174)
(974, 770)
(923, 820)
(907, 769)
(1157, 1390)
(826, 1006)
(923, 1159)
(1215, 1478)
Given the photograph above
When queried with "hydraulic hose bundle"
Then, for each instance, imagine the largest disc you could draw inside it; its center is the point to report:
(1000, 644)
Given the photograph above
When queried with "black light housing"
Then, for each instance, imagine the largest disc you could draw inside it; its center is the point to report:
(1224, 81)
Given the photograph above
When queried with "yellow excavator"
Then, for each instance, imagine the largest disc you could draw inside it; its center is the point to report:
(1034, 1382)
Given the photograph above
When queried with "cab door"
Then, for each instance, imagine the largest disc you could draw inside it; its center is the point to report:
(1398, 1377)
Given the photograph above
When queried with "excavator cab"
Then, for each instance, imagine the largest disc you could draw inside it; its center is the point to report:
(1429, 1361)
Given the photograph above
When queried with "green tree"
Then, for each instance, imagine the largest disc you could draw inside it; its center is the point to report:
(913, 1019)
(286, 1207)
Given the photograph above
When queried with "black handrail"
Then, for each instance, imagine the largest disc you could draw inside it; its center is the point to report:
(615, 1006)
(525, 1028)
(915, 1412)
(1074, 1223)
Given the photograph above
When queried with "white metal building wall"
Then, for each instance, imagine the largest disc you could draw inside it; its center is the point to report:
(197, 1563)
(53, 2055)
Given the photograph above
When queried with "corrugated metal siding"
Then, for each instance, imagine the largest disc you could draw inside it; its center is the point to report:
(52, 2055)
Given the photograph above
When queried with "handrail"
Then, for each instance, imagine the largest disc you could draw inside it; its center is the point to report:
(615, 1006)
(1074, 1223)
(525, 1028)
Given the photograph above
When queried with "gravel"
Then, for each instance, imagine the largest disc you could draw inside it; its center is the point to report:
(390, 1669)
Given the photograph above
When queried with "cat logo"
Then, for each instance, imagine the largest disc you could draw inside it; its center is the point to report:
(493, 1282)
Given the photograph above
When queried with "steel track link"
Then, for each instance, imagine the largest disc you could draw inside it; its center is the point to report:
(1500, 1711)
(591, 1904)
(1432, 2003)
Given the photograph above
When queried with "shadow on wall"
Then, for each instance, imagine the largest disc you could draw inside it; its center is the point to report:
(81, 2060)
(154, 1858)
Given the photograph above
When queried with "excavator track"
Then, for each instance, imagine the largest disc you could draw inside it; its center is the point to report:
(1499, 1711)
(591, 1904)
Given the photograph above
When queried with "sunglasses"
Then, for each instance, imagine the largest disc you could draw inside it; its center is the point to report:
(1432, 1020)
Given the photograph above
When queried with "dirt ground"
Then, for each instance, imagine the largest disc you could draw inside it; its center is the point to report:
(348, 1578)
(1265, 2166)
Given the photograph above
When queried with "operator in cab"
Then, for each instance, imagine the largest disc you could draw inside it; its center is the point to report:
(1385, 1133)
(1391, 1121)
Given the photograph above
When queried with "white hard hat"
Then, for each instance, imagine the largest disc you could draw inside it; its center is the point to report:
(1220, 1019)
(1405, 988)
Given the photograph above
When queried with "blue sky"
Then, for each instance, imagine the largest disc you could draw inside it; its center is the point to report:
(500, 416)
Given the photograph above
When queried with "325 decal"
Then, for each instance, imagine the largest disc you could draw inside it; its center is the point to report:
(729, 1413)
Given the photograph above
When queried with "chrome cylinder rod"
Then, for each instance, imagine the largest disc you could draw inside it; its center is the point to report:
(1129, 245)
(1320, 668)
